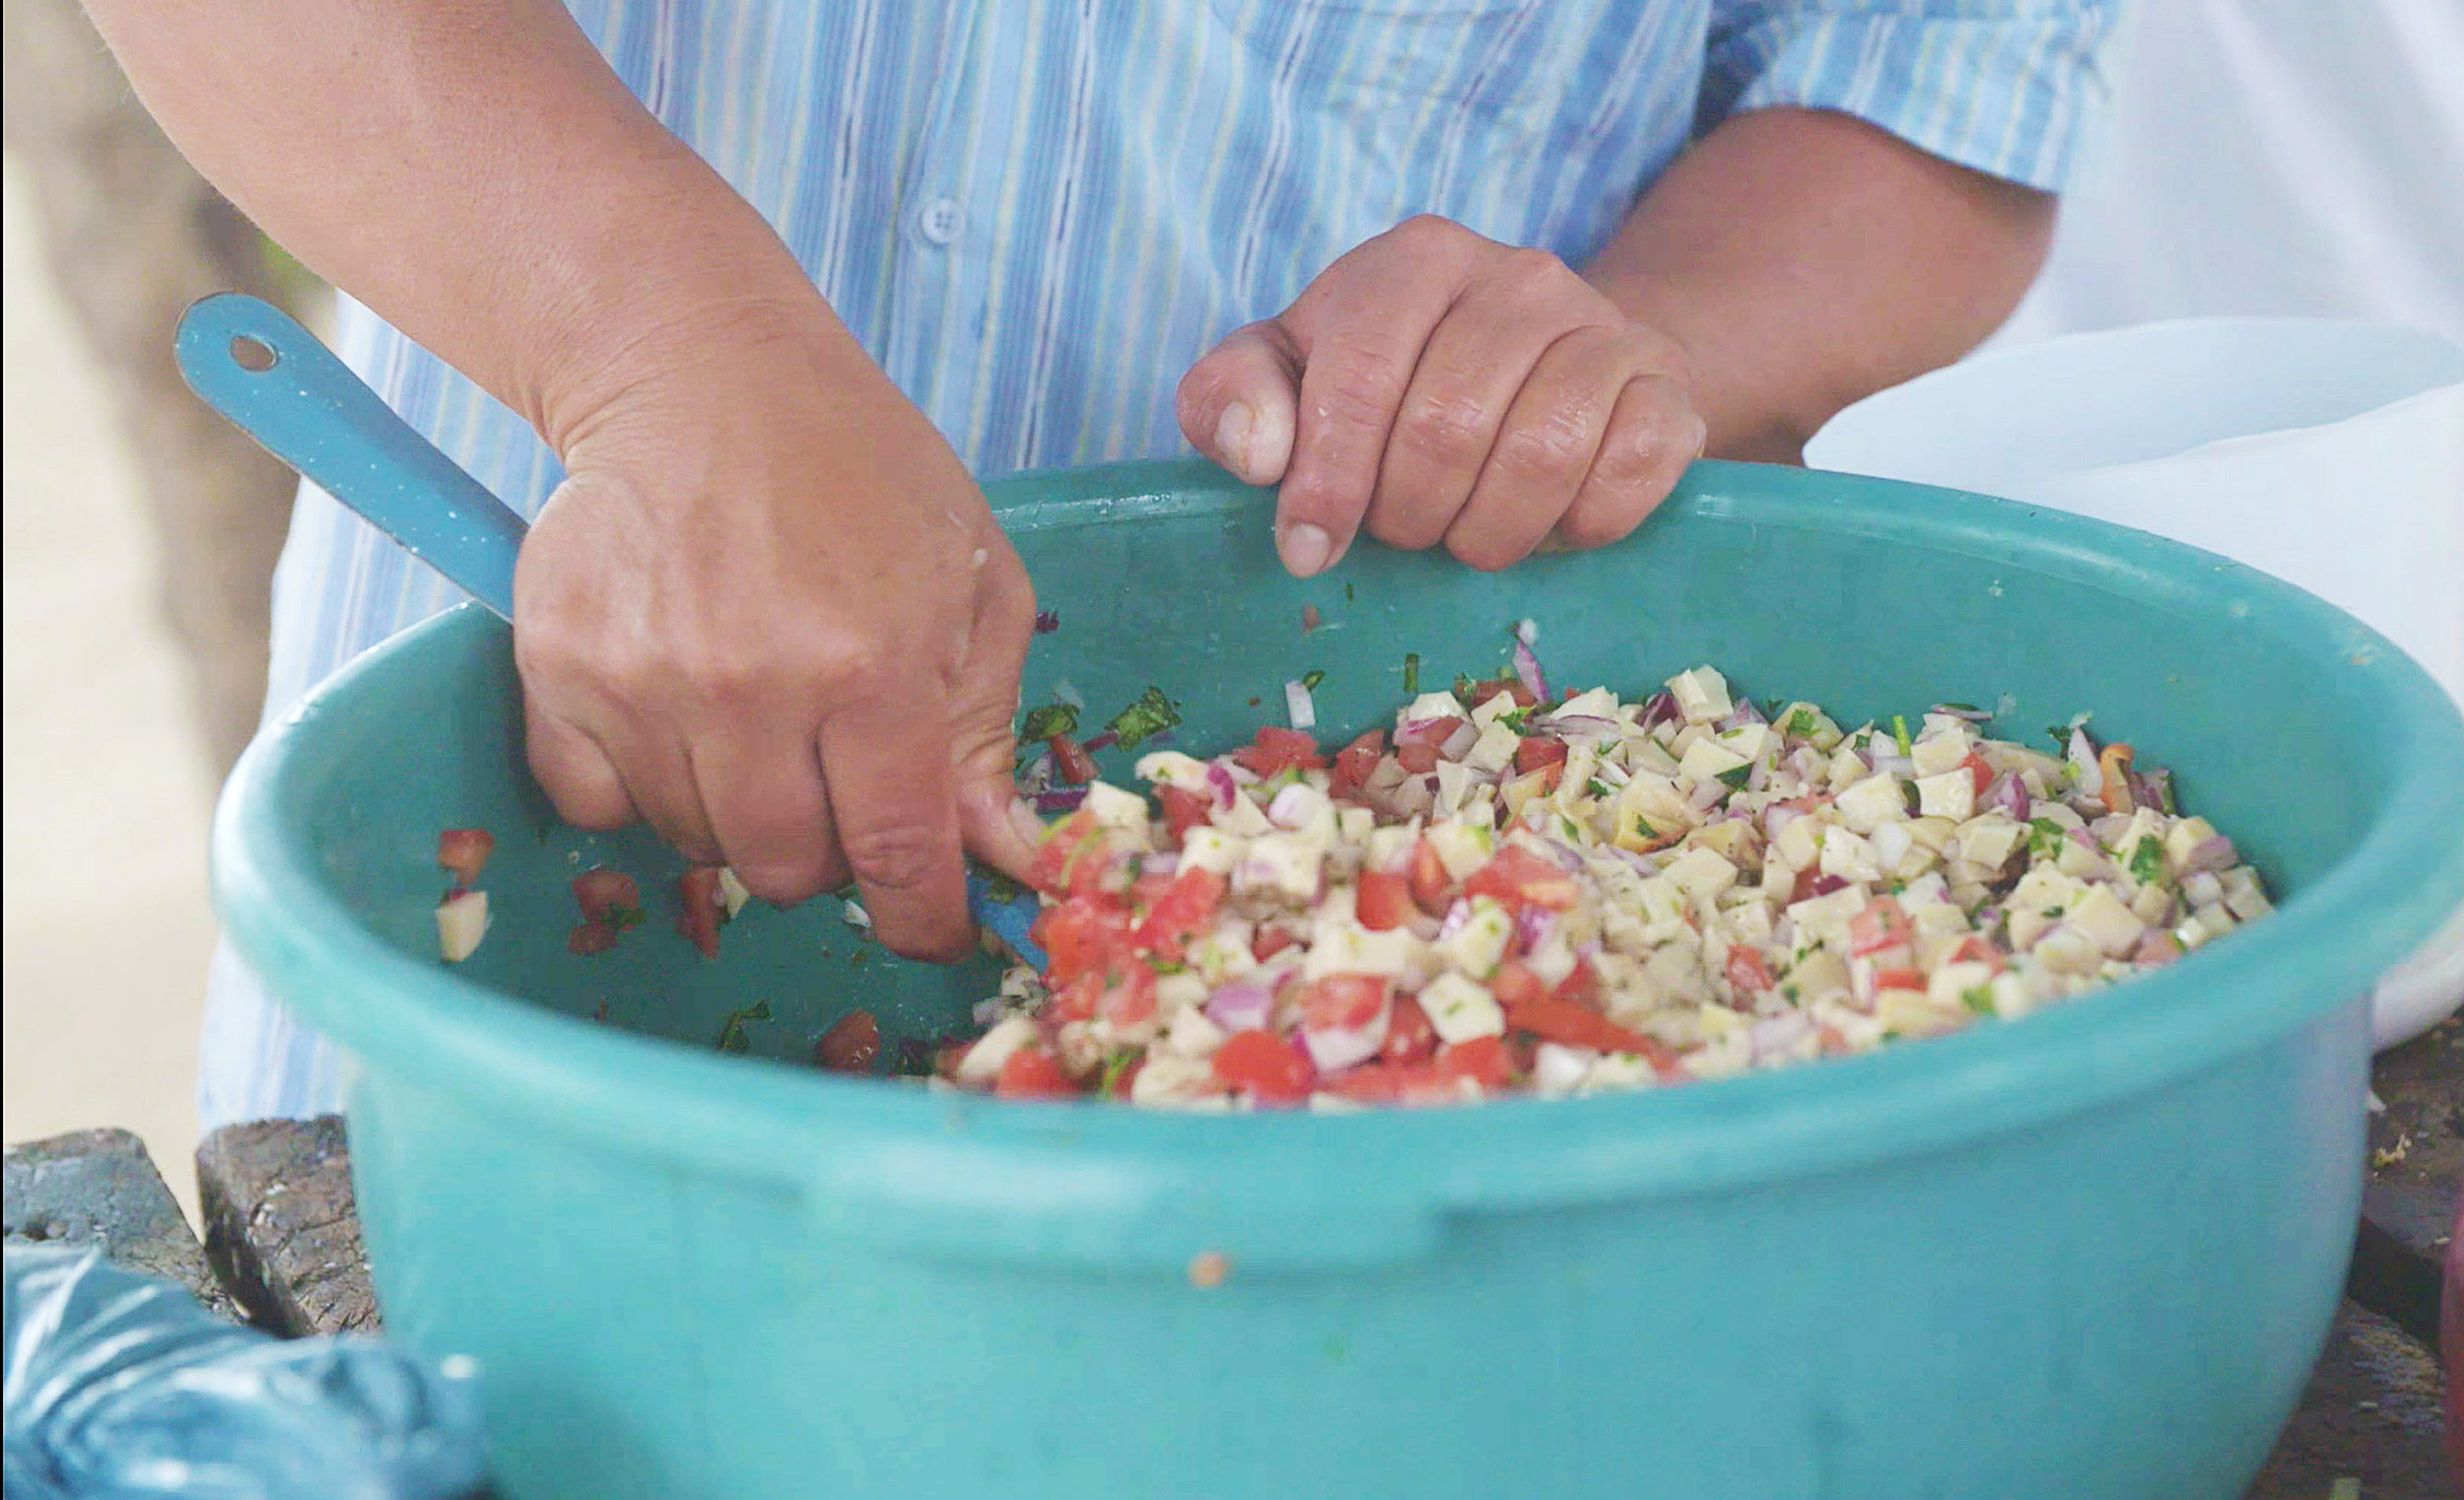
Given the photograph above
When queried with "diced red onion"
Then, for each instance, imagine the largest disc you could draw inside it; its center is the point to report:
(1566, 854)
(2156, 948)
(2211, 854)
(2083, 757)
(1570, 724)
(1103, 741)
(1459, 743)
(1743, 714)
(1531, 927)
(1241, 1006)
(1774, 1035)
(1661, 709)
(2083, 839)
(1298, 706)
(2153, 789)
(1527, 669)
(1166, 864)
(1064, 800)
(1341, 1048)
(1958, 711)
(1455, 916)
(1292, 805)
(1220, 782)
(2009, 794)
(1824, 885)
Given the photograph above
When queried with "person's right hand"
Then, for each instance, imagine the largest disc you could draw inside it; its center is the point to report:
(768, 612)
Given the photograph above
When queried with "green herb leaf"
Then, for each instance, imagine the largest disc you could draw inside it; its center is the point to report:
(1899, 733)
(1734, 777)
(2146, 860)
(1979, 999)
(2044, 838)
(1514, 718)
(1964, 707)
(1109, 1085)
(1347, 593)
(1309, 680)
(1600, 789)
(1801, 724)
(625, 918)
(732, 1035)
(1411, 672)
(1046, 721)
(1152, 713)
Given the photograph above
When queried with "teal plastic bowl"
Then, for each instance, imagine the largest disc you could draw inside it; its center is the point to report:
(2089, 1254)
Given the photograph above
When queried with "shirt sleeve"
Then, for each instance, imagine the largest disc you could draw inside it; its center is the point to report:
(2011, 88)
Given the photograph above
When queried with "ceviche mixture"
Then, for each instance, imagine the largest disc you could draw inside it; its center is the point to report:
(1507, 894)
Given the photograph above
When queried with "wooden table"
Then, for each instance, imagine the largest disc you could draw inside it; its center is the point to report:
(282, 1247)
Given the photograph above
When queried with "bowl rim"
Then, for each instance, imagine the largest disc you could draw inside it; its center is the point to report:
(1080, 1178)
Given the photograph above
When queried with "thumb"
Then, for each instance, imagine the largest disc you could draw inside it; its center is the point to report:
(993, 823)
(1239, 402)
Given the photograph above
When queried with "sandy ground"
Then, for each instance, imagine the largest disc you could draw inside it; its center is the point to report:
(106, 922)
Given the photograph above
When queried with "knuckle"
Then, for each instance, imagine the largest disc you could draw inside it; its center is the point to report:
(781, 881)
(1554, 446)
(896, 857)
(1428, 233)
(1525, 265)
(1450, 430)
(1406, 527)
(1598, 520)
(1364, 387)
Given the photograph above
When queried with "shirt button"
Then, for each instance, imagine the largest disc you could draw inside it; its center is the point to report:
(941, 220)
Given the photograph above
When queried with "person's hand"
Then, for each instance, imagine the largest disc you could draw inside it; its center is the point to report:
(768, 612)
(1438, 386)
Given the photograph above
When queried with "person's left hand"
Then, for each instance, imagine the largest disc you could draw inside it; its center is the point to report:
(1439, 387)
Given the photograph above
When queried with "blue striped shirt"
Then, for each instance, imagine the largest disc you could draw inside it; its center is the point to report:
(1034, 214)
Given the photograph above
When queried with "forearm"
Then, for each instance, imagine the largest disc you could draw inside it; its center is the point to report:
(472, 170)
(1807, 260)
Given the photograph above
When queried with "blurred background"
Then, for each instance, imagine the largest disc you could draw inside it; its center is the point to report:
(2268, 157)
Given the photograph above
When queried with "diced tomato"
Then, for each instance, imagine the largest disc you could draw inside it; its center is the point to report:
(464, 852)
(1549, 776)
(608, 895)
(1749, 972)
(701, 909)
(1898, 979)
(1803, 890)
(1416, 758)
(1049, 873)
(1071, 764)
(1265, 1066)
(1534, 751)
(1482, 1059)
(1432, 889)
(1515, 878)
(1280, 749)
(1376, 1082)
(850, 1045)
(1879, 927)
(1434, 733)
(1976, 950)
(1181, 912)
(590, 937)
(1034, 1073)
(1354, 762)
(1572, 1024)
(1148, 888)
(1268, 941)
(1475, 694)
(1410, 1038)
(1344, 1002)
(1183, 809)
(1130, 999)
(1383, 901)
(1581, 983)
(1081, 935)
(1514, 982)
(1980, 772)
(1075, 1000)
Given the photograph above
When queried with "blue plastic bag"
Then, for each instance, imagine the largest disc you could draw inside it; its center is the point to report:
(121, 1386)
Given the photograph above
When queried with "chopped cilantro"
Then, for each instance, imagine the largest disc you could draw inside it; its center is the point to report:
(2053, 913)
(1600, 789)
(1801, 724)
(625, 918)
(1890, 1037)
(1980, 999)
(1152, 713)
(1046, 721)
(732, 1034)
(2146, 860)
(1574, 835)
(2044, 838)
(1001, 888)
(1347, 593)
(1899, 733)
(1514, 718)
(1411, 672)
(1118, 1065)
(1735, 775)
(1964, 708)
(1309, 680)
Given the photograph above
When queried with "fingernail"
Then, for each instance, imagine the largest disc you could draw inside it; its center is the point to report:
(1232, 438)
(1023, 818)
(1305, 549)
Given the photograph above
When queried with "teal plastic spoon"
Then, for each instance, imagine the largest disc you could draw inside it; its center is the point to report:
(252, 363)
